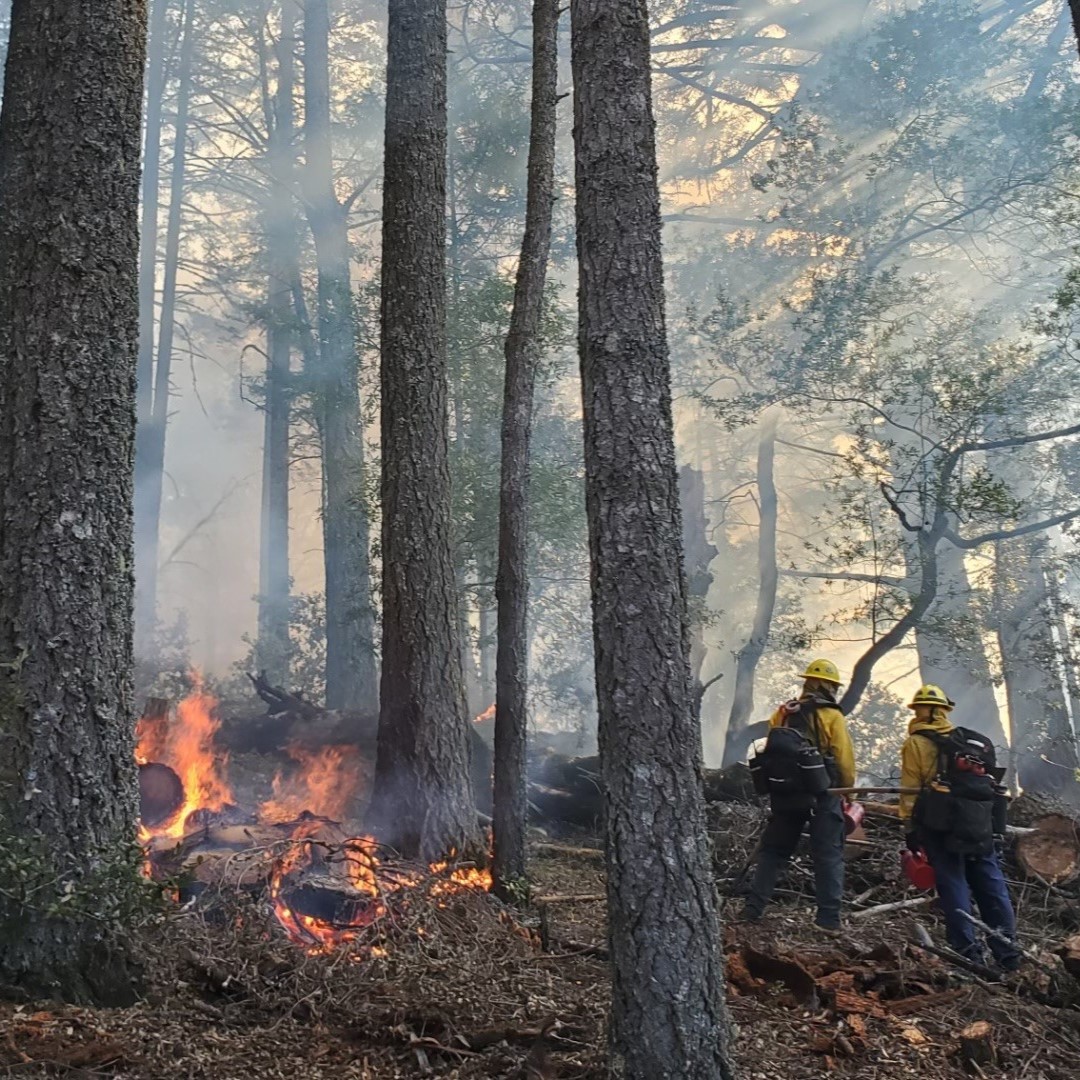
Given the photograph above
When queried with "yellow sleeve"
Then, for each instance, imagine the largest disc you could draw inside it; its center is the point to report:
(838, 743)
(918, 764)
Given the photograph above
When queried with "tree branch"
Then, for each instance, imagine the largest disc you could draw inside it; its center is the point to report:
(1010, 534)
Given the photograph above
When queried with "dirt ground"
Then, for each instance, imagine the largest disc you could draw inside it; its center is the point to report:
(467, 989)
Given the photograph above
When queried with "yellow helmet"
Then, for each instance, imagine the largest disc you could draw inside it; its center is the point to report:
(823, 669)
(931, 695)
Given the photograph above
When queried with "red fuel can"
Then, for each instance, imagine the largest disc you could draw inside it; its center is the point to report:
(917, 870)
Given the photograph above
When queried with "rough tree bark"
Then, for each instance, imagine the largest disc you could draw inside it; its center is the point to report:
(351, 677)
(422, 801)
(698, 555)
(522, 358)
(668, 1018)
(749, 656)
(69, 236)
(145, 537)
(281, 243)
(152, 432)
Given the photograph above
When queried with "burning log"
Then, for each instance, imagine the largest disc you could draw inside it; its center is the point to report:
(329, 900)
(161, 794)
(1051, 853)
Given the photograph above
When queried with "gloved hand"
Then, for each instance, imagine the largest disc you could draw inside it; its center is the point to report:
(999, 844)
(912, 841)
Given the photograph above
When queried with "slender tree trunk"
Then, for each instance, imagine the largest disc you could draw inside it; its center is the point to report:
(351, 677)
(281, 242)
(1074, 10)
(668, 1019)
(422, 800)
(522, 357)
(152, 437)
(70, 132)
(146, 531)
(749, 656)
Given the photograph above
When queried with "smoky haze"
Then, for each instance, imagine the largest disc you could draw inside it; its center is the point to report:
(869, 227)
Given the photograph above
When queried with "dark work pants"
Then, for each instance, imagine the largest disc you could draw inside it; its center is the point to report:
(959, 879)
(826, 846)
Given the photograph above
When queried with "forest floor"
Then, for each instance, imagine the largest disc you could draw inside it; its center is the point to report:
(467, 989)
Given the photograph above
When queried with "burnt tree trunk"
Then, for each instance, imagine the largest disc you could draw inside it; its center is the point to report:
(668, 1019)
(522, 357)
(422, 801)
(281, 245)
(145, 531)
(749, 656)
(69, 248)
(153, 431)
(351, 678)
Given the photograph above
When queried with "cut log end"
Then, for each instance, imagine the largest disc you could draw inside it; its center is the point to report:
(1051, 853)
(977, 1046)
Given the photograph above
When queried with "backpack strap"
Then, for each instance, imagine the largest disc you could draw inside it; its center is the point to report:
(942, 742)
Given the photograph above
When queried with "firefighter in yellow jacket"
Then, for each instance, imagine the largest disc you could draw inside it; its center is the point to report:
(817, 716)
(962, 872)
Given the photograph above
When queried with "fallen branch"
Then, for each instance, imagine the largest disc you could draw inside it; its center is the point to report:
(570, 898)
(921, 937)
(1006, 941)
(896, 905)
(576, 852)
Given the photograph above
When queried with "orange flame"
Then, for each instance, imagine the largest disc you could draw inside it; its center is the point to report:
(487, 714)
(369, 878)
(187, 747)
(325, 784)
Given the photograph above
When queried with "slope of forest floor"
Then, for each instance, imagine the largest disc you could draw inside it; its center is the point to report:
(469, 990)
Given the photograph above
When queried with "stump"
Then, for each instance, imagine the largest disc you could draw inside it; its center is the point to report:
(1052, 852)
(977, 1046)
(1070, 955)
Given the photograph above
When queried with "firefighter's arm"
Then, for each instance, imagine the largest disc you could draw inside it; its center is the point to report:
(918, 761)
(840, 746)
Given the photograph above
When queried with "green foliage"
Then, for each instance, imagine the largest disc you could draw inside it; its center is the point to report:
(108, 890)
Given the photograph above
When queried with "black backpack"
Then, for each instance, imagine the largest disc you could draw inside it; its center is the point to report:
(965, 803)
(792, 769)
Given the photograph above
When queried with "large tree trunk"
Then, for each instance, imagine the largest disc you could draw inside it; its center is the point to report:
(351, 678)
(145, 530)
(153, 432)
(281, 243)
(422, 800)
(668, 1018)
(69, 246)
(1043, 745)
(749, 656)
(522, 358)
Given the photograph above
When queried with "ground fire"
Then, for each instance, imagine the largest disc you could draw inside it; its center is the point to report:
(326, 885)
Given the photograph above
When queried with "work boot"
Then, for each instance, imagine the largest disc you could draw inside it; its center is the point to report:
(833, 932)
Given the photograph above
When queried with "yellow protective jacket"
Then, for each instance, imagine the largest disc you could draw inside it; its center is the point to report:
(919, 759)
(835, 739)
